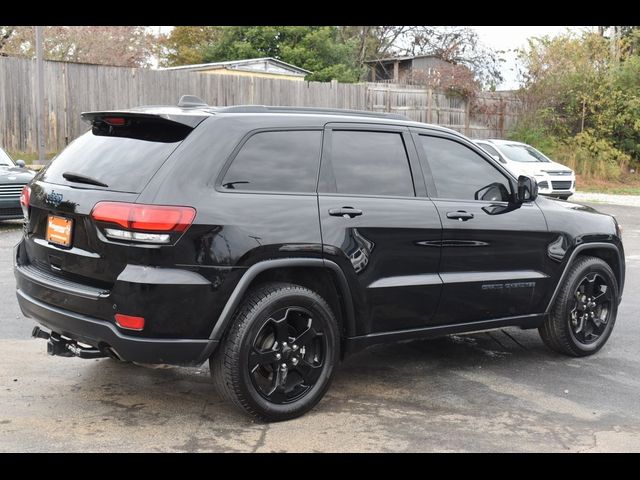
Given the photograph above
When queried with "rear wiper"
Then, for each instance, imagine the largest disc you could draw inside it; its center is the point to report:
(78, 178)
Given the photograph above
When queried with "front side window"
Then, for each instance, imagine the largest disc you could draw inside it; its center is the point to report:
(278, 161)
(460, 173)
(370, 163)
(492, 151)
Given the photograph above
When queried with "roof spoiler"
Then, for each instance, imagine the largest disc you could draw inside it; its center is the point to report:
(191, 120)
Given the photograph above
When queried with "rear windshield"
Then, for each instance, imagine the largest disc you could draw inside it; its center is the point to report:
(124, 158)
(5, 161)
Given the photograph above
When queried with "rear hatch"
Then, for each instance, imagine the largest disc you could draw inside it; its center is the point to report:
(113, 162)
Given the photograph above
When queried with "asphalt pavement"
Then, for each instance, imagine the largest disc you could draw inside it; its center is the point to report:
(496, 391)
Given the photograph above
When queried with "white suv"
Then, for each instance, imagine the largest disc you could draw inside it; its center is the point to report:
(553, 178)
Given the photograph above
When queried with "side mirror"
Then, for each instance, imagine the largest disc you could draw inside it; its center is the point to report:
(527, 189)
(498, 158)
(20, 163)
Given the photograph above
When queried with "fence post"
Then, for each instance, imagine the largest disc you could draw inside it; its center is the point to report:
(387, 103)
(429, 105)
(467, 120)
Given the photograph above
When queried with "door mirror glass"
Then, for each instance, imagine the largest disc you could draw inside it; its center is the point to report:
(494, 192)
(20, 163)
(527, 189)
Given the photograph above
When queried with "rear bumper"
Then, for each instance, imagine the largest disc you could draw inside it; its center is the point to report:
(104, 335)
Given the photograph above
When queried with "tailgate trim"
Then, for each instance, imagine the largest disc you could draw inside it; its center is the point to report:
(60, 284)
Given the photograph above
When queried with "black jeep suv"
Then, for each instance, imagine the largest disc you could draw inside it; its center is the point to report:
(273, 241)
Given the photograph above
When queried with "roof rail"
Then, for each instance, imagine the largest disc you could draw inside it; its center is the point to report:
(187, 101)
(310, 110)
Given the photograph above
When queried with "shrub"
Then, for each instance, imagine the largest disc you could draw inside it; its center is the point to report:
(592, 157)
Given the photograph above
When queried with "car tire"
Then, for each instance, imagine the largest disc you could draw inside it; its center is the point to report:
(277, 360)
(575, 326)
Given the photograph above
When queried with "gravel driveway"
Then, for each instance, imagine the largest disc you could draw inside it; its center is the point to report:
(629, 200)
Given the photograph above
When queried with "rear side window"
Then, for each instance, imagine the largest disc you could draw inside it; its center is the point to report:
(278, 161)
(122, 157)
(370, 163)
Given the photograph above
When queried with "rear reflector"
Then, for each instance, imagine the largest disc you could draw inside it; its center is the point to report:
(129, 322)
(135, 216)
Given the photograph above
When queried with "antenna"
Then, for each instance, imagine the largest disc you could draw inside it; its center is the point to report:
(191, 101)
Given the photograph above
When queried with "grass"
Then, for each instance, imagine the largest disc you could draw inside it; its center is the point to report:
(29, 157)
(626, 185)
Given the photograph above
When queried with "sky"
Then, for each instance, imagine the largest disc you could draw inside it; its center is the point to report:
(510, 38)
(498, 38)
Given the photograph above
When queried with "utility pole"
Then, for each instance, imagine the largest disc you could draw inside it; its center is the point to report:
(40, 96)
(614, 44)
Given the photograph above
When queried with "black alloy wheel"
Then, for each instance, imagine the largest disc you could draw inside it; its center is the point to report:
(277, 360)
(287, 355)
(592, 307)
(583, 314)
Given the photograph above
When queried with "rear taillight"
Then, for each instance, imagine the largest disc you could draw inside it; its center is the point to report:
(25, 198)
(143, 223)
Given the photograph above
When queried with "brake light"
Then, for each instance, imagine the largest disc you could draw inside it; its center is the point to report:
(129, 322)
(114, 121)
(25, 199)
(139, 219)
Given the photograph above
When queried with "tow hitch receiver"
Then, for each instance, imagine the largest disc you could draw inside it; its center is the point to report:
(64, 347)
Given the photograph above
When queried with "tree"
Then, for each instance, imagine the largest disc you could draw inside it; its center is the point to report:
(109, 45)
(459, 46)
(186, 45)
(318, 49)
(585, 97)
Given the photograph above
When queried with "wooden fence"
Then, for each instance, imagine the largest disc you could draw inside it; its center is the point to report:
(72, 88)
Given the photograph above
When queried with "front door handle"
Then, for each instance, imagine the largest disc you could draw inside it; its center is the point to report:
(346, 212)
(460, 215)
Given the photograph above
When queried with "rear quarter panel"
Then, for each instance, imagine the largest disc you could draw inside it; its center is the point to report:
(232, 230)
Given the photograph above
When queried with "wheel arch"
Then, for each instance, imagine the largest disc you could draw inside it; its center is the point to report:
(314, 273)
(607, 252)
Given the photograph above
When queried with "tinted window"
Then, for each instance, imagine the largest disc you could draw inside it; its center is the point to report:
(458, 171)
(283, 161)
(124, 158)
(370, 163)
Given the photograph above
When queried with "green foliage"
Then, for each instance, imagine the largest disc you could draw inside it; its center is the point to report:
(334, 52)
(186, 44)
(592, 157)
(321, 50)
(584, 101)
(318, 49)
(535, 134)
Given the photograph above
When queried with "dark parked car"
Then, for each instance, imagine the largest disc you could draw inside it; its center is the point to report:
(13, 178)
(274, 241)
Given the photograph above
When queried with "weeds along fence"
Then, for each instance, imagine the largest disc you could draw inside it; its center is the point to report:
(72, 88)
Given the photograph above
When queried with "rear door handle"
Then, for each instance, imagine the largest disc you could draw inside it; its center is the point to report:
(346, 212)
(460, 215)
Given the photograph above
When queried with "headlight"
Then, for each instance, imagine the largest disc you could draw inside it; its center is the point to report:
(618, 227)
